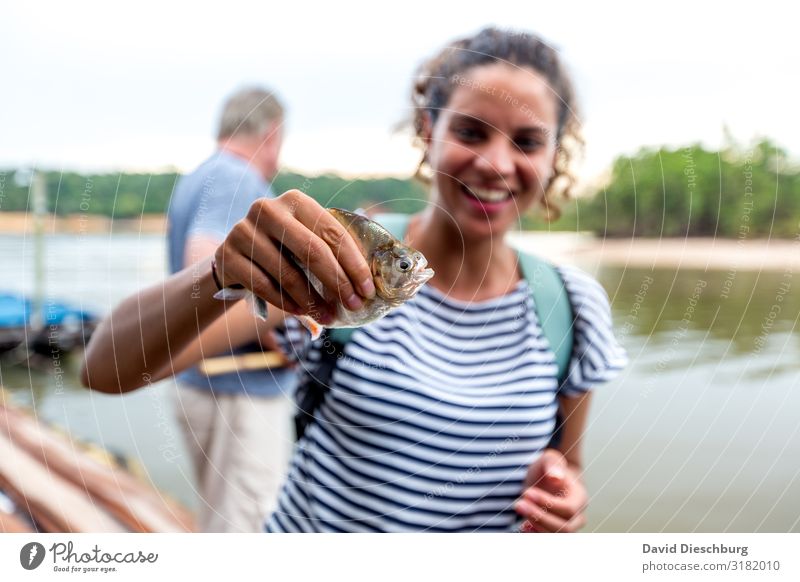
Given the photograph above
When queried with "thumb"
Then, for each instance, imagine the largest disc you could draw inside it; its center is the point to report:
(554, 465)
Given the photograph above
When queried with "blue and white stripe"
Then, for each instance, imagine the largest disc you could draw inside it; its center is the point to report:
(436, 411)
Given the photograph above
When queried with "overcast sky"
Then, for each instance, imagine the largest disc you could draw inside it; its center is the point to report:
(138, 85)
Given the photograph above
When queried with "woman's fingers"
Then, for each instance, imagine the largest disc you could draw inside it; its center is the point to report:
(280, 237)
(288, 279)
(238, 269)
(345, 249)
(540, 516)
(312, 252)
(561, 505)
(554, 513)
(542, 519)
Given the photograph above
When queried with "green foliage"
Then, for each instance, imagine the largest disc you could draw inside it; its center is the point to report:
(656, 192)
(695, 192)
(117, 195)
(382, 194)
(129, 195)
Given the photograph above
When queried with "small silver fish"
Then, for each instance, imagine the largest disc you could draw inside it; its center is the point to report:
(398, 272)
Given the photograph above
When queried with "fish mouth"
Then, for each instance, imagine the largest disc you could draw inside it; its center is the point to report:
(425, 275)
(424, 272)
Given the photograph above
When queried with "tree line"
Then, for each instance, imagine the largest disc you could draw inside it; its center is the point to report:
(689, 191)
(127, 195)
(738, 192)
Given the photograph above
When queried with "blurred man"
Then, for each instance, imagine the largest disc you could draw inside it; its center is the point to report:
(237, 425)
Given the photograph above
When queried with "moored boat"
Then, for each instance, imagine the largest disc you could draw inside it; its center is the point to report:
(54, 327)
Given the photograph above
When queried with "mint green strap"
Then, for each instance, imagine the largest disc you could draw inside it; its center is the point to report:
(552, 306)
(397, 224)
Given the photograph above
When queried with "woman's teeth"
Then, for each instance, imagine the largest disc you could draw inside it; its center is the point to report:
(489, 194)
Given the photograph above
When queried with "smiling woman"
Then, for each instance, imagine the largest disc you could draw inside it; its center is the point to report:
(509, 101)
(441, 416)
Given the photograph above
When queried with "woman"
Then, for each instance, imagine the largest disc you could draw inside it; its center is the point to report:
(440, 415)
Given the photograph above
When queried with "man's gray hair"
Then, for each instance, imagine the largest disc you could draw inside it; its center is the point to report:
(248, 112)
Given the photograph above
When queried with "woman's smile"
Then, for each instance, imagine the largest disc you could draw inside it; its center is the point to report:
(488, 200)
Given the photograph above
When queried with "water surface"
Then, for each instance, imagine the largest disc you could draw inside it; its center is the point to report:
(700, 432)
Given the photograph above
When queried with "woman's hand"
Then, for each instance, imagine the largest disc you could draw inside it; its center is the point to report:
(554, 498)
(265, 251)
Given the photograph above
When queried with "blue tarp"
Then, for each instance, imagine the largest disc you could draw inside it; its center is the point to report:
(17, 311)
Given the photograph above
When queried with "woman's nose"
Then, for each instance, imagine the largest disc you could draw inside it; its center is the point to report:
(497, 158)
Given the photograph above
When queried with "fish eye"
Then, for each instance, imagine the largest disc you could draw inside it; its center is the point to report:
(404, 264)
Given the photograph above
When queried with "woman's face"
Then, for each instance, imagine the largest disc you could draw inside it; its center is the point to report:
(492, 148)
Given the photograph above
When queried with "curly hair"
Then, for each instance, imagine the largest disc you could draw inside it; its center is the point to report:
(435, 81)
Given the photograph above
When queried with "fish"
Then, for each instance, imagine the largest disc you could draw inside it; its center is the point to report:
(398, 272)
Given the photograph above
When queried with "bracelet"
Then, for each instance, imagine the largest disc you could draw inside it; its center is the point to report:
(214, 274)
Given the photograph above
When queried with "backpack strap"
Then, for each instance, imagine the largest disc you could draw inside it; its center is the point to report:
(552, 307)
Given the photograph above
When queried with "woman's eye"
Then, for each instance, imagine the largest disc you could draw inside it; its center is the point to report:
(528, 144)
(469, 134)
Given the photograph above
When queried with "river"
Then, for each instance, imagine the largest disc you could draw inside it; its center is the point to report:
(699, 433)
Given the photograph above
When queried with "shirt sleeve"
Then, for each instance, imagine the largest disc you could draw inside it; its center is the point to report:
(597, 357)
(224, 200)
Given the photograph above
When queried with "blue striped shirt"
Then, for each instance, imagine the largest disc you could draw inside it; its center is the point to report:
(436, 412)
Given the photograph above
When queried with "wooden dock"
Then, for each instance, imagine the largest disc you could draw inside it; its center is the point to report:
(56, 485)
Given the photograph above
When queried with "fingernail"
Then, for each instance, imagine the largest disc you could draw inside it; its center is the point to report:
(525, 507)
(325, 317)
(556, 472)
(367, 287)
(354, 302)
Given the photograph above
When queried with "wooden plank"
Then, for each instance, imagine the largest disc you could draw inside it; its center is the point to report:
(140, 507)
(10, 523)
(254, 361)
(55, 503)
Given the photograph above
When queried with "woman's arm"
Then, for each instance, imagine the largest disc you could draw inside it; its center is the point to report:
(137, 342)
(236, 327)
(554, 497)
(575, 412)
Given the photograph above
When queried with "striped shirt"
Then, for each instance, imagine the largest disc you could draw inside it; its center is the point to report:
(436, 412)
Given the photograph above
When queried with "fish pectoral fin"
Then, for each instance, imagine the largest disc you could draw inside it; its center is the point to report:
(312, 326)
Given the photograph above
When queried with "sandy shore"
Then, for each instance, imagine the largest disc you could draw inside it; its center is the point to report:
(695, 253)
(23, 223)
(698, 253)
(689, 253)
